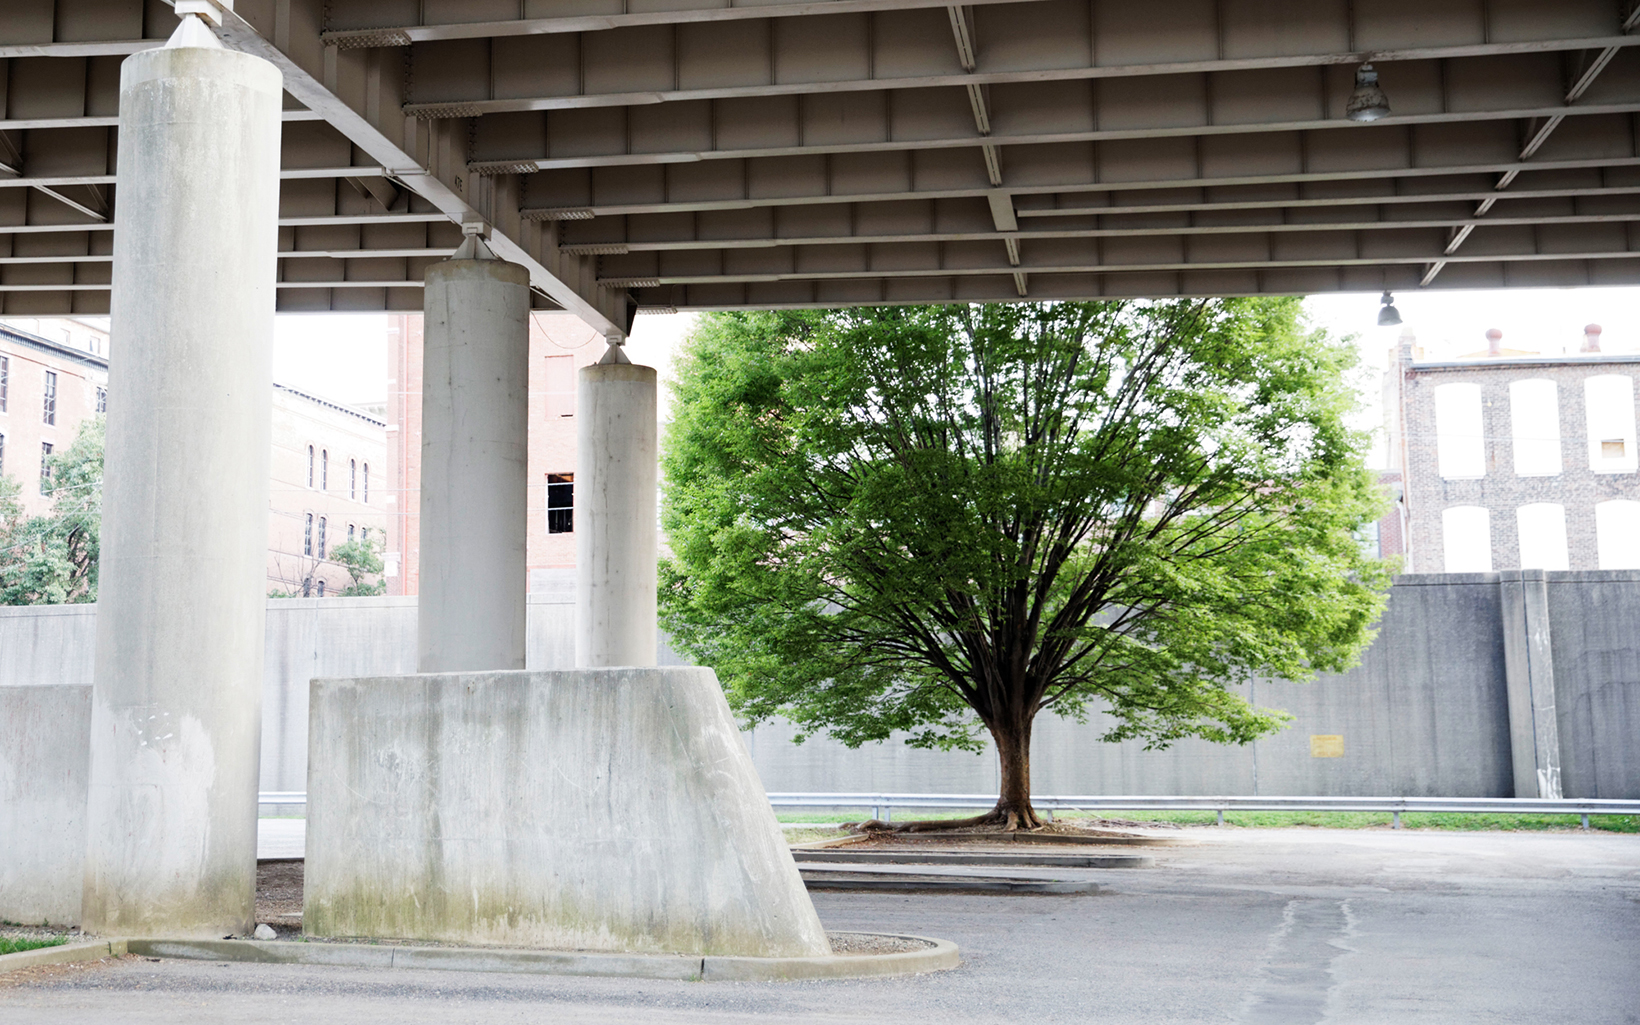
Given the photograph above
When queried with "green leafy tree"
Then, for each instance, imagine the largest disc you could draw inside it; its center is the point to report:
(943, 521)
(52, 559)
(363, 560)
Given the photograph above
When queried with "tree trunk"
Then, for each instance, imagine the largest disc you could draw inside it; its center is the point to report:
(1013, 810)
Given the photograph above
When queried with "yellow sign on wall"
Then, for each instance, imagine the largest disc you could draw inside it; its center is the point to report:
(1326, 745)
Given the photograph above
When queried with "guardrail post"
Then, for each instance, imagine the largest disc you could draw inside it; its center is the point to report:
(1585, 822)
(1221, 816)
(1395, 823)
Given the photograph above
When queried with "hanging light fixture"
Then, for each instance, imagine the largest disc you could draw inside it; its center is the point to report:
(1389, 316)
(1368, 102)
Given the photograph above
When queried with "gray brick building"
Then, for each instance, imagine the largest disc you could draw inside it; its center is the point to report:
(1511, 460)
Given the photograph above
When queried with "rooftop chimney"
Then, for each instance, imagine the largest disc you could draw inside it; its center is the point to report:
(1494, 342)
(1591, 338)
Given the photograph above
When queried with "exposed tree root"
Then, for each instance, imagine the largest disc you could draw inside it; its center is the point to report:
(1006, 820)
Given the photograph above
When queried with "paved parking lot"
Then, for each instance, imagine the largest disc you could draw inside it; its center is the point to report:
(1260, 926)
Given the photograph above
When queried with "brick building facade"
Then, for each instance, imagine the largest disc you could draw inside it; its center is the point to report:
(328, 459)
(50, 383)
(1509, 459)
(326, 487)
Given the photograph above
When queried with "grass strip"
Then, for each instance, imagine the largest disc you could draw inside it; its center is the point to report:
(1466, 821)
(18, 944)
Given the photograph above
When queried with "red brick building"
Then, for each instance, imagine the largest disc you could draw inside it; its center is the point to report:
(328, 467)
(50, 383)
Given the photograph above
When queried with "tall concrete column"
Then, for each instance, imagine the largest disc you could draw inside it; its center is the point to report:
(615, 532)
(177, 684)
(474, 463)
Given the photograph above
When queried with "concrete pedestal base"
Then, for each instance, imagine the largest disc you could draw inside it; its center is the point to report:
(589, 809)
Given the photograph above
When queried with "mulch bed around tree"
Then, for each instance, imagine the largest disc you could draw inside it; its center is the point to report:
(1050, 833)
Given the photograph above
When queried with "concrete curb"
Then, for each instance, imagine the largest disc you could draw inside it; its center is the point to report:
(880, 857)
(1053, 839)
(88, 950)
(946, 884)
(941, 955)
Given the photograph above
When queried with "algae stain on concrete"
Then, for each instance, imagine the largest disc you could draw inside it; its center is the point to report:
(609, 809)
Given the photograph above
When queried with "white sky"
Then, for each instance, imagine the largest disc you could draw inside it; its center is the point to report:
(1449, 324)
(344, 356)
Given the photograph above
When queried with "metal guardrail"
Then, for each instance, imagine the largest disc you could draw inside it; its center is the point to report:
(882, 805)
(281, 797)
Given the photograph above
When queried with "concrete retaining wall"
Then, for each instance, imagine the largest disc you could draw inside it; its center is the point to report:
(1595, 639)
(1426, 713)
(45, 733)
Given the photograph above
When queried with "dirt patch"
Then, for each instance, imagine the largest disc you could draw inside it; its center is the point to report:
(861, 944)
(279, 893)
(1129, 824)
(16, 931)
(46, 974)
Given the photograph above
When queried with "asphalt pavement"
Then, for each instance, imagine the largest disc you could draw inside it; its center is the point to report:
(1259, 926)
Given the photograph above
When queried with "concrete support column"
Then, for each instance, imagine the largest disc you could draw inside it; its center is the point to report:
(615, 531)
(176, 698)
(1529, 668)
(474, 463)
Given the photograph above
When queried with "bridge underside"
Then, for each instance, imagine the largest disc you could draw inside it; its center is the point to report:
(676, 154)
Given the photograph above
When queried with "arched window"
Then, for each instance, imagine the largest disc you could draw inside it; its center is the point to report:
(353, 478)
(366, 483)
(1608, 400)
(1617, 534)
(1466, 537)
(350, 533)
(1460, 439)
(321, 588)
(307, 587)
(1542, 527)
(321, 537)
(324, 470)
(310, 466)
(1534, 416)
(307, 536)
